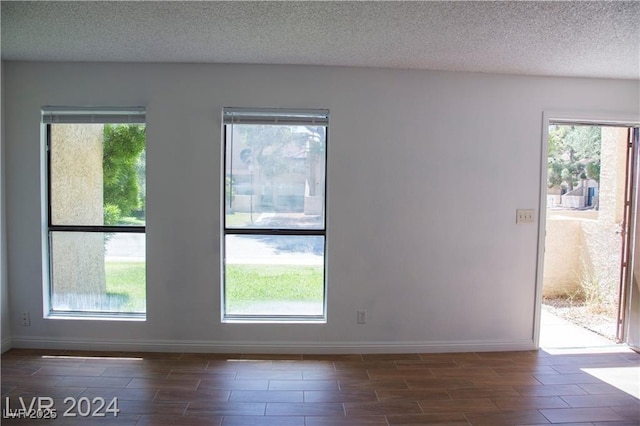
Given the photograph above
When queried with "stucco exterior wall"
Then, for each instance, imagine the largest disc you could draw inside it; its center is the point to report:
(612, 173)
(564, 255)
(604, 239)
(77, 199)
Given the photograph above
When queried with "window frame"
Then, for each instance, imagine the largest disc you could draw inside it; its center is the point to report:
(284, 117)
(80, 115)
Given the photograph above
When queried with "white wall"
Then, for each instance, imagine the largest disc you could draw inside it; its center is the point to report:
(5, 329)
(416, 233)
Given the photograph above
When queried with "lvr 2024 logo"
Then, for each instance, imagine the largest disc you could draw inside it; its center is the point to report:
(43, 407)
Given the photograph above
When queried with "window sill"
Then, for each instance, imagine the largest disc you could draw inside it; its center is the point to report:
(274, 320)
(93, 316)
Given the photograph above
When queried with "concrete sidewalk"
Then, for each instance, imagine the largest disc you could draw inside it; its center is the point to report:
(556, 332)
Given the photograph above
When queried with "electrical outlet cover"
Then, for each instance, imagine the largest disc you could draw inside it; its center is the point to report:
(525, 215)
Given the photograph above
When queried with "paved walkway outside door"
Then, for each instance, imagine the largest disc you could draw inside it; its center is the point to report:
(556, 332)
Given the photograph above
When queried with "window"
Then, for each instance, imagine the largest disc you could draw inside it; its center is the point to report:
(274, 221)
(95, 235)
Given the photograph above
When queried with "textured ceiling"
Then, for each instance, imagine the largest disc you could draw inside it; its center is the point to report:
(583, 39)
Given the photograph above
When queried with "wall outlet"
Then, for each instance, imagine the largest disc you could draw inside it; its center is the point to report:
(525, 215)
(25, 319)
(362, 317)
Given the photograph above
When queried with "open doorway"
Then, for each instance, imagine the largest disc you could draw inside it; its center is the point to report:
(587, 189)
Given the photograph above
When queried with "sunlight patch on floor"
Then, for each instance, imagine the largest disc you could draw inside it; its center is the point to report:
(627, 379)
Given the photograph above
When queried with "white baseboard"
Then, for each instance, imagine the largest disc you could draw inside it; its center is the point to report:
(269, 347)
(6, 344)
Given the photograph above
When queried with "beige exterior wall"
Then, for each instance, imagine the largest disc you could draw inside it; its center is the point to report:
(77, 199)
(564, 251)
(612, 173)
(603, 246)
(604, 240)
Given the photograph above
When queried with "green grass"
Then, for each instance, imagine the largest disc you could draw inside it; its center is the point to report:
(274, 282)
(235, 219)
(130, 220)
(245, 284)
(127, 281)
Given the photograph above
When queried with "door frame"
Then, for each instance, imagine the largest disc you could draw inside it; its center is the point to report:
(592, 118)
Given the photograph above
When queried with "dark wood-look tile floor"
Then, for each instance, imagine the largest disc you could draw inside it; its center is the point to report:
(484, 388)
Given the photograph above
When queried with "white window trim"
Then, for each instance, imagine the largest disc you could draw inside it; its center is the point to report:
(76, 115)
(278, 116)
